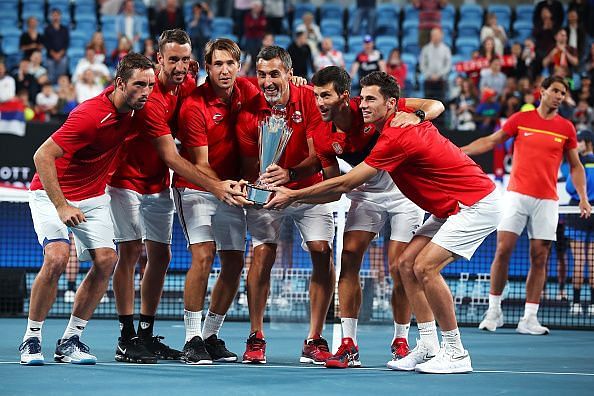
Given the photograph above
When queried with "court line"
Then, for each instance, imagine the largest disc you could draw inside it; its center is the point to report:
(268, 366)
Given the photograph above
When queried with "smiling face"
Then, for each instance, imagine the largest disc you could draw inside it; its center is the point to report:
(175, 61)
(273, 79)
(329, 102)
(373, 104)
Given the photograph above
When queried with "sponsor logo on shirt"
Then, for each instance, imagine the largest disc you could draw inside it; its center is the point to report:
(337, 148)
(367, 129)
(217, 118)
(297, 117)
(528, 133)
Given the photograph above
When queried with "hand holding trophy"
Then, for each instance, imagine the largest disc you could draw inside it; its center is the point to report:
(274, 134)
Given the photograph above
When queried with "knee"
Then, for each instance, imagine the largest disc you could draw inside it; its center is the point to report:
(105, 261)
(405, 266)
(319, 248)
(55, 262)
(423, 271)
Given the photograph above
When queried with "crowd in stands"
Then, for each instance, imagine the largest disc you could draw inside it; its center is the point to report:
(485, 62)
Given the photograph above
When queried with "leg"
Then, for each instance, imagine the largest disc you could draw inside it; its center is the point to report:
(158, 258)
(539, 252)
(71, 271)
(197, 276)
(258, 284)
(227, 284)
(578, 249)
(321, 288)
(400, 305)
(506, 241)
(123, 277)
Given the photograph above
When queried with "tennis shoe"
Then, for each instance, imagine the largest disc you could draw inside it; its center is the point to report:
(218, 351)
(346, 356)
(162, 351)
(530, 325)
(447, 361)
(421, 353)
(133, 351)
(195, 352)
(31, 352)
(315, 350)
(492, 320)
(73, 350)
(255, 349)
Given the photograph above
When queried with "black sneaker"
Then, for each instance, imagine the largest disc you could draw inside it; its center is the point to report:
(217, 350)
(195, 352)
(160, 350)
(133, 351)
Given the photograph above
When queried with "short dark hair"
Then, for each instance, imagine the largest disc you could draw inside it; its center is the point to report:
(340, 79)
(132, 61)
(547, 82)
(221, 44)
(388, 86)
(274, 51)
(177, 36)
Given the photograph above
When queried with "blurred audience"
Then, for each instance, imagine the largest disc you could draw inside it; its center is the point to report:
(328, 55)
(56, 40)
(31, 39)
(7, 85)
(435, 63)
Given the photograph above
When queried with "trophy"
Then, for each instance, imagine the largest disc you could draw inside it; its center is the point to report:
(274, 135)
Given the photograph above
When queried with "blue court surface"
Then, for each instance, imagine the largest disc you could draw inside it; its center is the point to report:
(504, 363)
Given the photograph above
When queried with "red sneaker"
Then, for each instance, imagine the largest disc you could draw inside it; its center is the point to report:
(315, 350)
(399, 348)
(346, 356)
(255, 350)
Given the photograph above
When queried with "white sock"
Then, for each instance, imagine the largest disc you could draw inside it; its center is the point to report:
(452, 339)
(530, 309)
(212, 324)
(495, 302)
(428, 335)
(401, 330)
(193, 323)
(349, 328)
(75, 327)
(33, 329)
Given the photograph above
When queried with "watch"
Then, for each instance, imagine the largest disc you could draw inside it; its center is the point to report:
(421, 114)
(292, 174)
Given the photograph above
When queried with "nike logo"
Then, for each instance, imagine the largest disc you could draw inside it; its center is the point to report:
(34, 328)
(528, 133)
(122, 350)
(461, 357)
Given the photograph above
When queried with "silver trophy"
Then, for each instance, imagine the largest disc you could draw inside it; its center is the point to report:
(274, 135)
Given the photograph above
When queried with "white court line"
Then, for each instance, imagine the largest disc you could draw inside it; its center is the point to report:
(268, 366)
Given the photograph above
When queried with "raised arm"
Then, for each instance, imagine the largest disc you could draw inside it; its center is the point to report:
(432, 109)
(484, 144)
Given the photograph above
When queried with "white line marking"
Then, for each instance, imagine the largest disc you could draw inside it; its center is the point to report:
(268, 366)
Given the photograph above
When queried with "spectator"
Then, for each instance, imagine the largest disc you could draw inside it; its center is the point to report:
(148, 49)
(57, 40)
(487, 112)
(240, 9)
(101, 71)
(110, 7)
(528, 59)
(98, 44)
(544, 33)
(365, 11)
(576, 34)
(7, 85)
(66, 95)
(25, 81)
(46, 102)
(487, 49)
(493, 78)
(583, 116)
(200, 28)
(170, 17)
(254, 24)
(396, 68)
(314, 36)
(368, 60)
(87, 87)
(275, 11)
(429, 17)
(496, 32)
(328, 56)
(585, 90)
(301, 55)
(31, 39)
(555, 9)
(37, 69)
(435, 65)
(586, 15)
(464, 105)
(562, 55)
(248, 68)
(511, 105)
(129, 24)
(124, 46)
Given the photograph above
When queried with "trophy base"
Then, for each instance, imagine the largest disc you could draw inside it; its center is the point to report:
(258, 195)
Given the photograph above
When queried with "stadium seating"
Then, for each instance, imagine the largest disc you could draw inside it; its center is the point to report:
(79, 38)
(86, 23)
(465, 45)
(331, 27)
(221, 26)
(386, 24)
(469, 28)
(339, 43)
(524, 12)
(522, 30)
(331, 11)
(282, 40)
(388, 10)
(410, 13)
(385, 44)
(410, 44)
(302, 8)
(471, 12)
(355, 44)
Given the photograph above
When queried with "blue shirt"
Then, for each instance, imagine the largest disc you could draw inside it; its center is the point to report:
(588, 162)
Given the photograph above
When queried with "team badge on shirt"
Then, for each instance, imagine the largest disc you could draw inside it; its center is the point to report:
(337, 148)
(297, 117)
(367, 129)
(217, 118)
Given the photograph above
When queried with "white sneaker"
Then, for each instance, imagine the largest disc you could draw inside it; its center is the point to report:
(31, 352)
(74, 351)
(591, 310)
(420, 354)
(243, 299)
(492, 320)
(530, 325)
(447, 361)
(69, 296)
(576, 309)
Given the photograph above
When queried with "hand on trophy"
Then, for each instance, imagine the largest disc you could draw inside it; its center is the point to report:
(275, 176)
(282, 198)
(231, 192)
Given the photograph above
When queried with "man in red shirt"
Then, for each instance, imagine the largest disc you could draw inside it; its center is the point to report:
(207, 134)
(141, 205)
(298, 167)
(542, 138)
(68, 190)
(346, 136)
(464, 207)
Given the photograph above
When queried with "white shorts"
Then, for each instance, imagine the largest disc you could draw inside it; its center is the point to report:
(95, 233)
(315, 223)
(204, 219)
(368, 216)
(141, 216)
(464, 232)
(541, 216)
